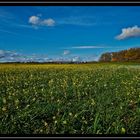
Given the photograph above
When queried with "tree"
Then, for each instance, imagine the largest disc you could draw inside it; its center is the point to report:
(106, 57)
(132, 54)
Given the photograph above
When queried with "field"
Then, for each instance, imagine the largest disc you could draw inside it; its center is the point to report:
(70, 98)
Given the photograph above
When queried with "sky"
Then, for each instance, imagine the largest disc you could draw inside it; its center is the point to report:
(66, 33)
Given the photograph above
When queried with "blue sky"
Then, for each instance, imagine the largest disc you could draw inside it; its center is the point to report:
(83, 33)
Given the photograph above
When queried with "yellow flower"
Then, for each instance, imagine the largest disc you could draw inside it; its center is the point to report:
(4, 109)
(27, 105)
(123, 130)
(4, 100)
(64, 122)
(85, 122)
(16, 101)
(45, 123)
(75, 115)
(92, 102)
(70, 114)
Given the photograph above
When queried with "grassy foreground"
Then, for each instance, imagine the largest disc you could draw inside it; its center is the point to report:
(74, 99)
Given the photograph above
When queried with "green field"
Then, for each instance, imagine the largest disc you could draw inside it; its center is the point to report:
(99, 98)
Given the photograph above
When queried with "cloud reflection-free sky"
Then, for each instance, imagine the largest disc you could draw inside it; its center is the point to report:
(76, 33)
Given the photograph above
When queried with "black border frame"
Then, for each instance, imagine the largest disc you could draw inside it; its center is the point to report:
(69, 3)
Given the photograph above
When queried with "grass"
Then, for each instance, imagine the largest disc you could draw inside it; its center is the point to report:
(97, 98)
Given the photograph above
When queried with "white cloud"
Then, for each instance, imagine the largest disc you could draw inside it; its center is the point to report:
(11, 56)
(2, 53)
(48, 22)
(37, 21)
(76, 59)
(8, 32)
(78, 20)
(34, 20)
(129, 32)
(66, 52)
(87, 47)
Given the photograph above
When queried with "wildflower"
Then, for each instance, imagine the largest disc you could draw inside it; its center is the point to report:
(113, 124)
(92, 102)
(54, 117)
(4, 109)
(45, 123)
(105, 85)
(64, 122)
(83, 118)
(70, 114)
(16, 101)
(85, 122)
(27, 105)
(123, 130)
(4, 100)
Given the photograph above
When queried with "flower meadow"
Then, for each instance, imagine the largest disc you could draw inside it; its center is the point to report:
(70, 98)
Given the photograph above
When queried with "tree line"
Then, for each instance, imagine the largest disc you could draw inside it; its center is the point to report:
(132, 54)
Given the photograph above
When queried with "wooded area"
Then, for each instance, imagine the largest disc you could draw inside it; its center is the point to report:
(132, 54)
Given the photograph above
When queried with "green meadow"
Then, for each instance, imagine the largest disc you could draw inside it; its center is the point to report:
(102, 98)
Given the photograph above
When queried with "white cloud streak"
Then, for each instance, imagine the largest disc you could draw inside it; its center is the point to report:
(129, 32)
(8, 32)
(88, 47)
(78, 20)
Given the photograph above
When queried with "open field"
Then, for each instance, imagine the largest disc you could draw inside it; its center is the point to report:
(70, 98)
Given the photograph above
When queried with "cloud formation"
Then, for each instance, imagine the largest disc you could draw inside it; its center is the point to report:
(2, 53)
(129, 32)
(37, 21)
(12, 56)
(8, 56)
(76, 59)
